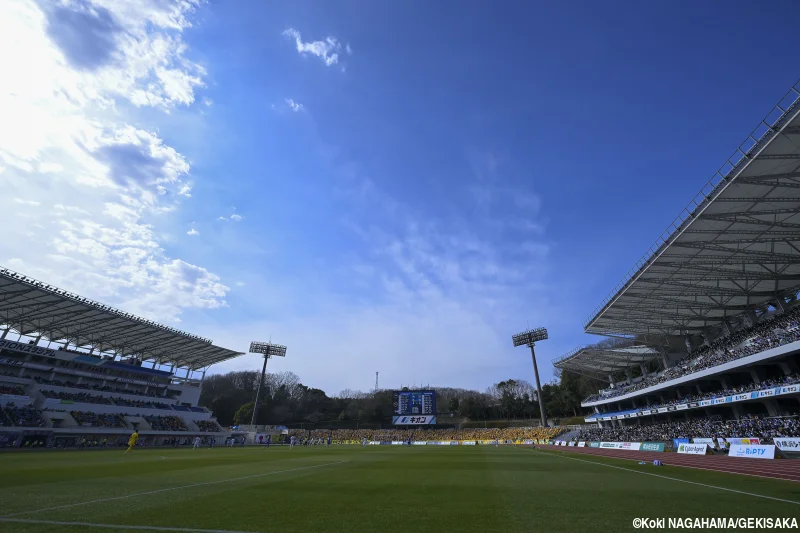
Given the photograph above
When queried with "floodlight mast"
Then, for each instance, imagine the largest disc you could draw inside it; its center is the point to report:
(529, 338)
(268, 350)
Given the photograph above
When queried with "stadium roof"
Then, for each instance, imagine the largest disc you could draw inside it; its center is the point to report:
(35, 309)
(734, 248)
(599, 362)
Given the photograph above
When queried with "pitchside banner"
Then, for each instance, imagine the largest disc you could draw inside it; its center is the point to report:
(677, 442)
(710, 442)
(413, 420)
(787, 444)
(621, 445)
(752, 451)
(693, 449)
(744, 442)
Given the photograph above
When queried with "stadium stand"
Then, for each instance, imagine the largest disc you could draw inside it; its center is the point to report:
(208, 425)
(9, 388)
(777, 331)
(81, 391)
(703, 333)
(24, 416)
(394, 434)
(166, 423)
(88, 419)
(763, 428)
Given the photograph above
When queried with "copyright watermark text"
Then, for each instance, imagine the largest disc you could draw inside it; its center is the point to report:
(714, 523)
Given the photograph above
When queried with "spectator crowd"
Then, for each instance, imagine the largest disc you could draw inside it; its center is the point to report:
(85, 397)
(11, 388)
(100, 420)
(763, 384)
(502, 434)
(166, 423)
(208, 425)
(12, 415)
(763, 428)
(780, 330)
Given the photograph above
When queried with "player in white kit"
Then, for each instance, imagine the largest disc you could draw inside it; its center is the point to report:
(196, 442)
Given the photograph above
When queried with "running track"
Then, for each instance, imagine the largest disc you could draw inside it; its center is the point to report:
(787, 469)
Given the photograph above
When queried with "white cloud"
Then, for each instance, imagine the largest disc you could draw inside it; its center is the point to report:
(294, 106)
(327, 50)
(32, 203)
(192, 232)
(90, 185)
(237, 218)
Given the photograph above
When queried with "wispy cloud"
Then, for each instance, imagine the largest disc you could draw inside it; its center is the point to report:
(293, 105)
(192, 232)
(437, 290)
(32, 203)
(327, 50)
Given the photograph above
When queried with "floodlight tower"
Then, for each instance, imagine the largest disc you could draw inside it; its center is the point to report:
(268, 350)
(529, 338)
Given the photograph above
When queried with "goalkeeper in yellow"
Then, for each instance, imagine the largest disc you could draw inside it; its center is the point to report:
(132, 441)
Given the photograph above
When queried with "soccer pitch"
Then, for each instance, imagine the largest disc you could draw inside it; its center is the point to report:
(377, 488)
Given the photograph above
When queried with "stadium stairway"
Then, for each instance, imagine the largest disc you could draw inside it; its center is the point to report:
(59, 419)
(568, 435)
(138, 422)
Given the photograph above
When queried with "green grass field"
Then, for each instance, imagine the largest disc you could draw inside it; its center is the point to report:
(344, 489)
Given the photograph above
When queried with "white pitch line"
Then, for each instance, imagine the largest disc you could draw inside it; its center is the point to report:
(169, 489)
(667, 477)
(118, 526)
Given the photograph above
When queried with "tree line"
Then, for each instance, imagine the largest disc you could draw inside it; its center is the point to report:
(287, 401)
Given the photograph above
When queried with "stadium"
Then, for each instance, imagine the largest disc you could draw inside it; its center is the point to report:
(113, 422)
(699, 404)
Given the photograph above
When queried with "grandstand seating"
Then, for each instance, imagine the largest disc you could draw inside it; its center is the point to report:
(166, 423)
(23, 416)
(764, 384)
(87, 386)
(779, 330)
(501, 434)
(10, 388)
(208, 425)
(88, 419)
(763, 428)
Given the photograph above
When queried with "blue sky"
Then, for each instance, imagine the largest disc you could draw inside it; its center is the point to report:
(457, 172)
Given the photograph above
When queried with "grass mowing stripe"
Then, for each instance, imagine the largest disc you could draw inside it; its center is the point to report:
(171, 488)
(667, 477)
(118, 526)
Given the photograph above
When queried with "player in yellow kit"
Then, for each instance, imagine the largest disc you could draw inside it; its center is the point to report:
(132, 440)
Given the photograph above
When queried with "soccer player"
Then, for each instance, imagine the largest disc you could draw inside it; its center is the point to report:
(268, 442)
(329, 441)
(363, 442)
(132, 441)
(196, 443)
(291, 442)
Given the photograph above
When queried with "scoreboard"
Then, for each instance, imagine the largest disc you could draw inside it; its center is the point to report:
(414, 407)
